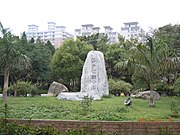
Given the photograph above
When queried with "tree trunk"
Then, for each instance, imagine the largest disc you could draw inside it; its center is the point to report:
(151, 101)
(15, 91)
(6, 83)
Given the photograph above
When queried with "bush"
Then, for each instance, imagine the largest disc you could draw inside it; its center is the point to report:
(86, 104)
(1, 90)
(22, 88)
(166, 89)
(10, 128)
(177, 86)
(41, 91)
(173, 107)
(116, 87)
(139, 81)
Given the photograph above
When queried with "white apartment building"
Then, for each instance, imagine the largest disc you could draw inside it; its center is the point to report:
(112, 36)
(55, 34)
(88, 29)
(131, 30)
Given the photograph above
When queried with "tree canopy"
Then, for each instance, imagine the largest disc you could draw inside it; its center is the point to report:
(67, 63)
(10, 56)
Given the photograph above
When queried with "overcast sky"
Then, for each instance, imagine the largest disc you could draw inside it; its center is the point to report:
(18, 14)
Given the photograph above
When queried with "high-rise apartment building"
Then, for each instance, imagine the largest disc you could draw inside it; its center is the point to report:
(131, 30)
(55, 34)
(88, 29)
(112, 36)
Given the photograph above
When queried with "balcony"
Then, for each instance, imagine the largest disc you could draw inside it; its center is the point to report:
(86, 33)
(124, 29)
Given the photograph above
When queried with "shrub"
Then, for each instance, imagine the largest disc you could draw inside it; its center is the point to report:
(140, 81)
(11, 128)
(165, 131)
(177, 86)
(117, 87)
(22, 88)
(41, 91)
(1, 90)
(173, 107)
(162, 88)
(86, 104)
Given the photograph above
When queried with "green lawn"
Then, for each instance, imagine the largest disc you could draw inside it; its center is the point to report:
(106, 109)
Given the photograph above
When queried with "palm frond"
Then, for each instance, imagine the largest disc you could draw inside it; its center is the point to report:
(121, 65)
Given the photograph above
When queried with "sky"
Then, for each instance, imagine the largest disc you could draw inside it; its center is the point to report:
(18, 14)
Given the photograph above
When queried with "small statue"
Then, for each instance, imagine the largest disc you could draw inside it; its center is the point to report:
(128, 102)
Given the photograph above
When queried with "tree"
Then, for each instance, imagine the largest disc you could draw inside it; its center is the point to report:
(113, 55)
(67, 63)
(98, 41)
(9, 56)
(32, 41)
(169, 34)
(24, 39)
(50, 46)
(40, 55)
(149, 62)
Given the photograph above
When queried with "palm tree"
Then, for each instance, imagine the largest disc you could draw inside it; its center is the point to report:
(149, 62)
(9, 56)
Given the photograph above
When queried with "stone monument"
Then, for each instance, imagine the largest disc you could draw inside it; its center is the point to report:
(94, 82)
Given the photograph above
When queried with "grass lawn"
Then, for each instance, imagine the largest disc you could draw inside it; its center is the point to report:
(109, 109)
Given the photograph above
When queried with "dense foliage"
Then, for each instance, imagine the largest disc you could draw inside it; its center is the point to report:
(177, 86)
(22, 89)
(116, 87)
(67, 63)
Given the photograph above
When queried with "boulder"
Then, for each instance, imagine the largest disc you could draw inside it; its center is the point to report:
(94, 78)
(146, 95)
(56, 88)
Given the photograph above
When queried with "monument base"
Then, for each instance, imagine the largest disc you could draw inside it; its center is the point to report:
(76, 96)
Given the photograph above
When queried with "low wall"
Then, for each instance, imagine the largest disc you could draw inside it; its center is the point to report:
(118, 127)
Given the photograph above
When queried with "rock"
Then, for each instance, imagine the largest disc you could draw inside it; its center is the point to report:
(71, 95)
(56, 88)
(44, 95)
(94, 82)
(29, 95)
(146, 95)
(94, 79)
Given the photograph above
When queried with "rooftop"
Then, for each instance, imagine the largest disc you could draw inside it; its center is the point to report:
(32, 25)
(86, 25)
(96, 28)
(131, 23)
(60, 27)
(77, 29)
(108, 27)
(51, 23)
